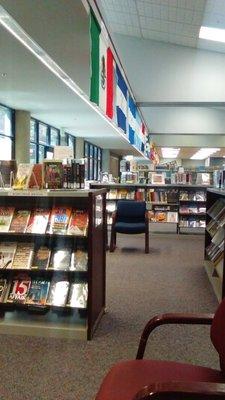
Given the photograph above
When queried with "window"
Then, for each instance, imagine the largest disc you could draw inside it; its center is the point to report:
(7, 137)
(43, 138)
(93, 161)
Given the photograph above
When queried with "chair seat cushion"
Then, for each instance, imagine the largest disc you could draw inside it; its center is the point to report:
(130, 228)
(125, 379)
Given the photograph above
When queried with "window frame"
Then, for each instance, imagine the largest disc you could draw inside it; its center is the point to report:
(12, 136)
(47, 146)
(93, 160)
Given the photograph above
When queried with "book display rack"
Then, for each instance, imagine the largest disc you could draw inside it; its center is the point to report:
(52, 262)
(184, 206)
(214, 240)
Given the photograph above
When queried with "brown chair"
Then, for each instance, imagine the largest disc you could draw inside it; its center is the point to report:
(165, 380)
(130, 218)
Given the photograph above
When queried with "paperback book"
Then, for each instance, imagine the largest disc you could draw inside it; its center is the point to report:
(58, 292)
(52, 174)
(19, 221)
(78, 224)
(38, 292)
(41, 258)
(59, 220)
(19, 289)
(23, 256)
(79, 260)
(23, 175)
(78, 295)
(3, 289)
(61, 259)
(38, 221)
(7, 253)
(6, 215)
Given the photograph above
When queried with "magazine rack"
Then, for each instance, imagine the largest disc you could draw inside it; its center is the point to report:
(50, 320)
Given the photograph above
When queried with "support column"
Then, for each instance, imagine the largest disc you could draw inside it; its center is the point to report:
(105, 160)
(22, 136)
(79, 153)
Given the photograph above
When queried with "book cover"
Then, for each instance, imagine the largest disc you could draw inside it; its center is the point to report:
(36, 179)
(7, 253)
(23, 175)
(61, 259)
(78, 295)
(19, 289)
(38, 221)
(78, 223)
(19, 221)
(23, 256)
(52, 174)
(6, 215)
(38, 292)
(172, 216)
(79, 260)
(58, 292)
(3, 289)
(59, 220)
(41, 258)
(6, 168)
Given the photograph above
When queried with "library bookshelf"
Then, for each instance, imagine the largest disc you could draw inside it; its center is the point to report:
(52, 320)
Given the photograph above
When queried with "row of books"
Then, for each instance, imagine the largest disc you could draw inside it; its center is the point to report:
(41, 292)
(20, 255)
(192, 209)
(215, 252)
(60, 220)
(217, 210)
(192, 196)
(119, 194)
(163, 216)
(191, 223)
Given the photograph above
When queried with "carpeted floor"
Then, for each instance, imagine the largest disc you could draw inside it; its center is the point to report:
(170, 278)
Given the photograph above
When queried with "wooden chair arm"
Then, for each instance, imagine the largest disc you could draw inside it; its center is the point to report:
(182, 391)
(194, 319)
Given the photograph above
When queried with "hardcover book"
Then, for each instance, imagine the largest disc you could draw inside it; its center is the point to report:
(59, 220)
(61, 259)
(41, 258)
(3, 289)
(38, 292)
(6, 215)
(52, 174)
(23, 176)
(23, 256)
(78, 223)
(7, 253)
(19, 289)
(38, 221)
(78, 295)
(19, 221)
(79, 261)
(58, 292)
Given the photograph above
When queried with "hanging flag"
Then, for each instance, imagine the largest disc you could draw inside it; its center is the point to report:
(121, 101)
(131, 119)
(102, 68)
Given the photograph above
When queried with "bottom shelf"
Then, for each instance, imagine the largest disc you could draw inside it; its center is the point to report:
(215, 281)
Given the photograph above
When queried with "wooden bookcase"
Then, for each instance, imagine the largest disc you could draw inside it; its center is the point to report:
(170, 205)
(215, 271)
(50, 320)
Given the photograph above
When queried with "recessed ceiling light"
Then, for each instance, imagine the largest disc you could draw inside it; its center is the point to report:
(215, 34)
(204, 153)
(4, 75)
(170, 152)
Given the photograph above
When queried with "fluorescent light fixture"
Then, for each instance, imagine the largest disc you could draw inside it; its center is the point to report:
(215, 34)
(129, 158)
(169, 152)
(20, 34)
(204, 153)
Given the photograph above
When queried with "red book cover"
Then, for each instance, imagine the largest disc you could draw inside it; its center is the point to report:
(78, 223)
(38, 221)
(36, 178)
(19, 221)
(19, 289)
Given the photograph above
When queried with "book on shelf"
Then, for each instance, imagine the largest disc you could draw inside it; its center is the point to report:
(172, 216)
(112, 194)
(216, 208)
(59, 220)
(78, 223)
(23, 256)
(38, 221)
(61, 258)
(79, 260)
(58, 292)
(38, 292)
(111, 206)
(23, 175)
(6, 215)
(3, 289)
(36, 179)
(160, 216)
(78, 295)
(19, 289)
(41, 257)
(200, 196)
(140, 194)
(19, 221)
(7, 168)
(7, 253)
(52, 174)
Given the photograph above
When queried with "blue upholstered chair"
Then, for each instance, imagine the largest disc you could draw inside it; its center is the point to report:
(130, 218)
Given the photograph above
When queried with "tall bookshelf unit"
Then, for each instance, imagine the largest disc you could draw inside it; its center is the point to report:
(55, 321)
(183, 206)
(214, 262)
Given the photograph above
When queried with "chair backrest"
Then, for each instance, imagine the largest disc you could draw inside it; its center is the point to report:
(218, 333)
(130, 211)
